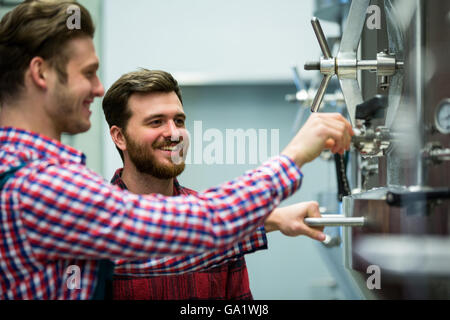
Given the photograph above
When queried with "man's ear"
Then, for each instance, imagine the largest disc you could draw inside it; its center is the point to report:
(118, 137)
(39, 72)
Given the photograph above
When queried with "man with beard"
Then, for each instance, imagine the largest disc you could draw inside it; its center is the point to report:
(147, 124)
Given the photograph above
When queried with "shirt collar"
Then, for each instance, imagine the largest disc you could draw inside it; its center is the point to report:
(33, 145)
(117, 180)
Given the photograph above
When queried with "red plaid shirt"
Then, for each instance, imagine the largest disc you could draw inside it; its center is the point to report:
(58, 218)
(227, 281)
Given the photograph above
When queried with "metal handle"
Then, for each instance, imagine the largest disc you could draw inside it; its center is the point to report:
(337, 220)
(321, 38)
(310, 66)
(320, 93)
(403, 198)
(346, 65)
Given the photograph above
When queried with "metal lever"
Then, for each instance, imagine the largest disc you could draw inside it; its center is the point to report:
(320, 93)
(321, 38)
(335, 220)
(319, 66)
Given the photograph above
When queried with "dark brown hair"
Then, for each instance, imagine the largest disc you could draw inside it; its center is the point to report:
(37, 28)
(115, 102)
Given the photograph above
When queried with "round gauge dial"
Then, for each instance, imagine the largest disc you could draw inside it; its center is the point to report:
(442, 116)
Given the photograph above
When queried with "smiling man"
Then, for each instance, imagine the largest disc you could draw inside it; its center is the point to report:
(57, 215)
(145, 114)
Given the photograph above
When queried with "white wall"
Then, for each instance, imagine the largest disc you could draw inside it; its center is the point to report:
(213, 41)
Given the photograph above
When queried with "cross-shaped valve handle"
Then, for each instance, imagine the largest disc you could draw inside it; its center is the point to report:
(345, 65)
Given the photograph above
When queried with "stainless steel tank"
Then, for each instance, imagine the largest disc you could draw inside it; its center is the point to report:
(403, 249)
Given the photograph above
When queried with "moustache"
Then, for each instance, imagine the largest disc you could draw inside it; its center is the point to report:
(168, 143)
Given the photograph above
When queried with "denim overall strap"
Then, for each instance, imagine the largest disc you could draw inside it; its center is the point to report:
(4, 176)
(104, 289)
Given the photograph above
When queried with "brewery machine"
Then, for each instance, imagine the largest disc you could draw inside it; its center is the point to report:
(390, 238)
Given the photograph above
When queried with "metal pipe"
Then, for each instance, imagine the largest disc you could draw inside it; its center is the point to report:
(312, 65)
(367, 65)
(419, 85)
(335, 221)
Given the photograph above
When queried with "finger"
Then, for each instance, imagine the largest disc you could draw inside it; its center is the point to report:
(313, 210)
(314, 234)
(336, 135)
(334, 116)
(343, 127)
(333, 125)
(329, 143)
(344, 143)
(338, 118)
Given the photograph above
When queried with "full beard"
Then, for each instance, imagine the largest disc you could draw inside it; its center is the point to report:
(145, 161)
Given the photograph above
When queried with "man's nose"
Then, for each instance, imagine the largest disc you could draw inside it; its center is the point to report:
(99, 90)
(172, 131)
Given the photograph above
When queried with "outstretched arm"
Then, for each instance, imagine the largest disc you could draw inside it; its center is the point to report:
(69, 211)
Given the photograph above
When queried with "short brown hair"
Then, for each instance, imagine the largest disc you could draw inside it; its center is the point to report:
(37, 28)
(115, 102)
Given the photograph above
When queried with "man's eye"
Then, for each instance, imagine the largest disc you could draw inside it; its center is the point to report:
(155, 122)
(180, 122)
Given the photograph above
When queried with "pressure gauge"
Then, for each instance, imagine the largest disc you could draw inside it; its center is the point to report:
(442, 116)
